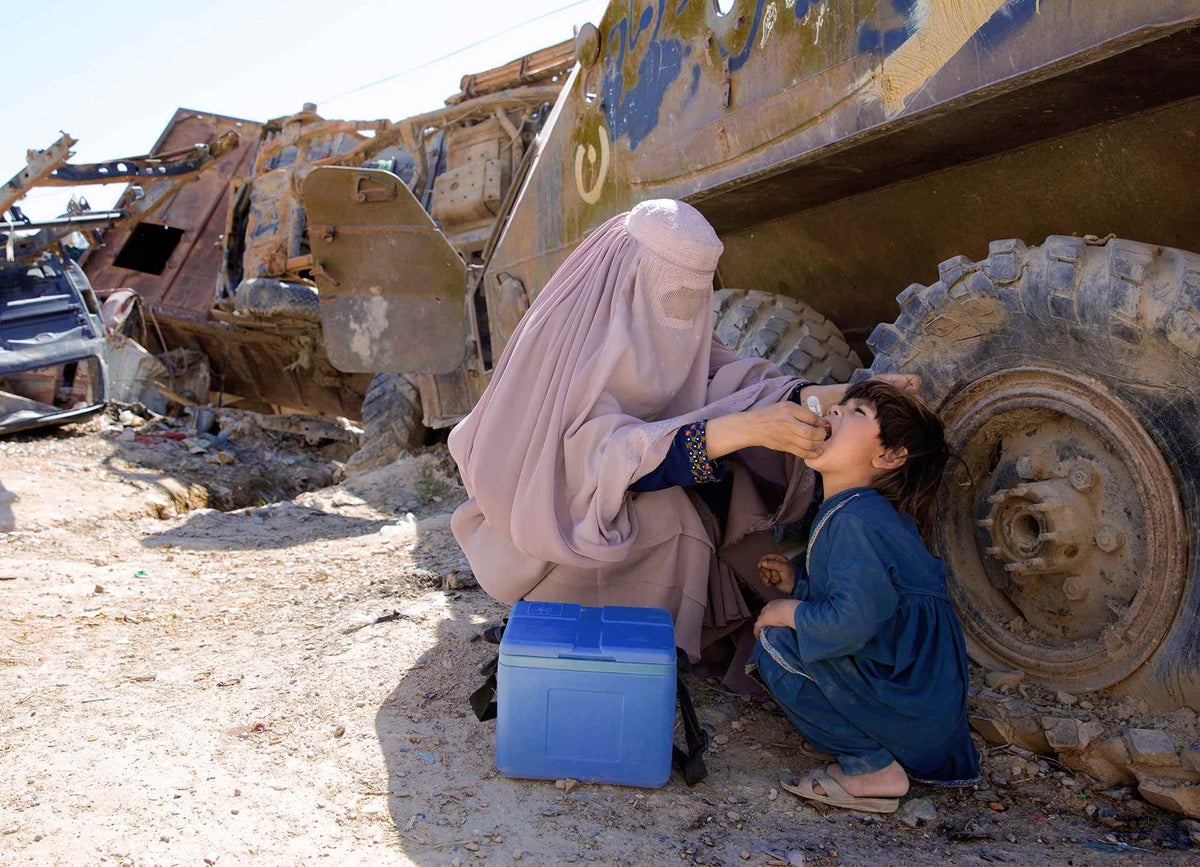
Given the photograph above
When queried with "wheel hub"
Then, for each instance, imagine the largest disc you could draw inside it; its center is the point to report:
(1040, 528)
(1062, 528)
(1055, 549)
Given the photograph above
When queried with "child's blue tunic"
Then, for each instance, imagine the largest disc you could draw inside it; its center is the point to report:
(876, 667)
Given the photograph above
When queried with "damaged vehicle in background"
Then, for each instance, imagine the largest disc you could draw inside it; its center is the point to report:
(225, 272)
(53, 339)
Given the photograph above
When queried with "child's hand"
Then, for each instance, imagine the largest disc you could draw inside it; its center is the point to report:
(778, 571)
(781, 612)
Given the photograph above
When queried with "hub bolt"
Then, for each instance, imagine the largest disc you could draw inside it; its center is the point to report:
(1075, 589)
(1028, 467)
(1109, 538)
(1082, 477)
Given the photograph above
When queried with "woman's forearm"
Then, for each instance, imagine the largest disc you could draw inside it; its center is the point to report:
(727, 434)
(829, 395)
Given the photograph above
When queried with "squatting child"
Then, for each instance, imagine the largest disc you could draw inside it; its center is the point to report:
(867, 657)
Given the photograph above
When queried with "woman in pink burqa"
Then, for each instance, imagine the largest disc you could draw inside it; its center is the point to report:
(620, 454)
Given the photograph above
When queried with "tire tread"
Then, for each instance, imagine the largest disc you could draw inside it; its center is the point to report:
(789, 333)
(391, 418)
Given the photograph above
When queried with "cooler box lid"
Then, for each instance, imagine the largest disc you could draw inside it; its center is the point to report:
(612, 634)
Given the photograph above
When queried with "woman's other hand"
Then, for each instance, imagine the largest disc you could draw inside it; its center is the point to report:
(781, 427)
(781, 612)
(831, 395)
(777, 571)
(909, 382)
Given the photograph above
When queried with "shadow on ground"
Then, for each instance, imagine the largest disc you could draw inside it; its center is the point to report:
(445, 797)
(185, 481)
(280, 525)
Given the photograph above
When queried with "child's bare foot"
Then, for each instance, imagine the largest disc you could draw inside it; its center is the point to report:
(812, 752)
(889, 782)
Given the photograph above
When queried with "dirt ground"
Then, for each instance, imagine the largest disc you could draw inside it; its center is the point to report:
(188, 685)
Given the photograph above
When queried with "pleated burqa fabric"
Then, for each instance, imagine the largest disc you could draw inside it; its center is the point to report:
(613, 357)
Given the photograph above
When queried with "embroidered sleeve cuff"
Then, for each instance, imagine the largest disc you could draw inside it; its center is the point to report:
(695, 436)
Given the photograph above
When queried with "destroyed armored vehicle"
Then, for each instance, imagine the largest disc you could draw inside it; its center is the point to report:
(842, 150)
(53, 346)
(225, 272)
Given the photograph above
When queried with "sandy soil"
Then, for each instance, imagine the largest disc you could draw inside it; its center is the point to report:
(211, 687)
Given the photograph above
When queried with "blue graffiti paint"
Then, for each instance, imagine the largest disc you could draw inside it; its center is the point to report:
(870, 39)
(874, 39)
(643, 23)
(634, 113)
(736, 61)
(616, 40)
(1009, 18)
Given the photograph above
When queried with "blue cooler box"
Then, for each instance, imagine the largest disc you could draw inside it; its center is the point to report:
(587, 693)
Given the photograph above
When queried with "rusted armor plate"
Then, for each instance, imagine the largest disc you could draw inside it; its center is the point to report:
(391, 287)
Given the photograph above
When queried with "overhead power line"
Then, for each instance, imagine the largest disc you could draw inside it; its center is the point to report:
(457, 51)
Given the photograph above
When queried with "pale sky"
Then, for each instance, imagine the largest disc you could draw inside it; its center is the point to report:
(112, 73)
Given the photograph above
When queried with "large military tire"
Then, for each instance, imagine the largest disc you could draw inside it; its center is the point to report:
(798, 339)
(269, 298)
(391, 422)
(1069, 379)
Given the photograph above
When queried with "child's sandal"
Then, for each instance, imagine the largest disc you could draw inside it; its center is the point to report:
(835, 795)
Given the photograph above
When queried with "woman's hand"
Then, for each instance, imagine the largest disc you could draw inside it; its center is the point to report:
(781, 612)
(778, 571)
(782, 427)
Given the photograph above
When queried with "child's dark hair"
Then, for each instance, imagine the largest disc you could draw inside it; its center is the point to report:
(905, 422)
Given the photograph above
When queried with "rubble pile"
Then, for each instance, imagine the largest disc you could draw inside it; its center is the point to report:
(1114, 741)
(227, 458)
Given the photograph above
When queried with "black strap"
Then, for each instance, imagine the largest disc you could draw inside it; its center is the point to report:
(690, 761)
(483, 700)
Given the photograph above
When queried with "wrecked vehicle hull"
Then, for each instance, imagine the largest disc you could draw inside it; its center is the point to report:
(225, 271)
(53, 336)
(172, 262)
